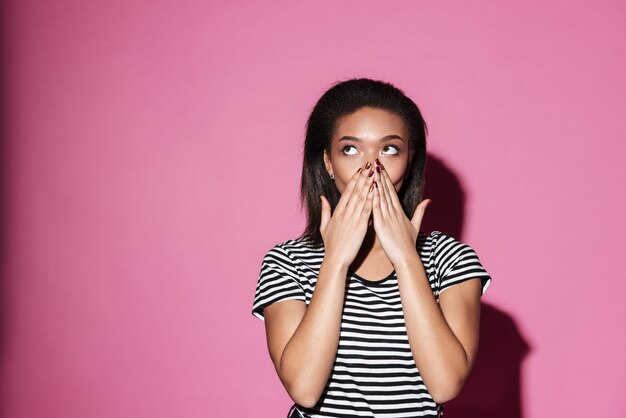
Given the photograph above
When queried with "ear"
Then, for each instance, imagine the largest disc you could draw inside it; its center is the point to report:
(328, 164)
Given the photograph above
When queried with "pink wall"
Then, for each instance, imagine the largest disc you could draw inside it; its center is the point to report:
(151, 157)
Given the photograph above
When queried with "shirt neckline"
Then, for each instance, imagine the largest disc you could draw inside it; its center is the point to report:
(372, 282)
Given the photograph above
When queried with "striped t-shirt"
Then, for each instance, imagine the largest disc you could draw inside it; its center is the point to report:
(374, 374)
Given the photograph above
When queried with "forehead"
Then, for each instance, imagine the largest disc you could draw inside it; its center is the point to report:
(370, 123)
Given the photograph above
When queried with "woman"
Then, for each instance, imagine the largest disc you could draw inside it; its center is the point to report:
(364, 314)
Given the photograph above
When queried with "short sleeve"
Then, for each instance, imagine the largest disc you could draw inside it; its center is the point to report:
(457, 262)
(278, 281)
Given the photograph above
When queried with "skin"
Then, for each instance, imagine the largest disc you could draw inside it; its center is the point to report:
(369, 233)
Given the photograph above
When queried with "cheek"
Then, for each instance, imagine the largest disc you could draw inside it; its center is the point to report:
(344, 169)
(342, 180)
(396, 174)
(397, 182)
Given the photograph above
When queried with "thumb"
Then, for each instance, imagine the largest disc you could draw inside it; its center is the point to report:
(325, 213)
(418, 215)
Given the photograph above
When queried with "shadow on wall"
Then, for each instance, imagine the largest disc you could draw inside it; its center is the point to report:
(4, 122)
(493, 389)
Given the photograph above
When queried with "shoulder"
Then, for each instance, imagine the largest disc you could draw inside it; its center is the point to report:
(444, 245)
(435, 243)
(455, 261)
(439, 247)
(293, 252)
(285, 274)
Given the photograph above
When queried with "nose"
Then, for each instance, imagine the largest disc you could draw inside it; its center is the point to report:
(371, 154)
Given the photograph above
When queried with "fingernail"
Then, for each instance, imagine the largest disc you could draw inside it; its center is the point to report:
(372, 187)
(368, 165)
(359, 170)
(377, 162)
(375, 184)
(371, 173)
(378, 169)
(382, 167)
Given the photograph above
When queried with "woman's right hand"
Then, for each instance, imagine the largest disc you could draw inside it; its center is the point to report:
(344, 231)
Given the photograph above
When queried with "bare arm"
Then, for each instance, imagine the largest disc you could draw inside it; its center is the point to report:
(443, 337)
(303, 341)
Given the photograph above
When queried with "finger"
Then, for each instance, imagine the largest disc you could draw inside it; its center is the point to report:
(325, 213)
(360, 200)
(367, 207)
(391, 189)
(376, 208)
(387, 187)
(347, 192)
(384, 202)
(418, 215)
(394, 206)
(359, 194)
(370, 195)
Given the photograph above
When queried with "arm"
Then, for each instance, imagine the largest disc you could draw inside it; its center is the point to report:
(303, 341)
(443, 337)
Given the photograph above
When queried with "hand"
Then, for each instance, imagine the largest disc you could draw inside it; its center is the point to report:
(344, 231)
(396, 233)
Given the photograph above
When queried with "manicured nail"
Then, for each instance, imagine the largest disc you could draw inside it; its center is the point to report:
(371, 172)
(371, 187)
(368, 165)
(360, 170)
(377, 162)
(375, 184)
(378, 169)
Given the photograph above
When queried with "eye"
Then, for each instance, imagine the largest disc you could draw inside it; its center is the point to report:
(390, 150)
(349, 150)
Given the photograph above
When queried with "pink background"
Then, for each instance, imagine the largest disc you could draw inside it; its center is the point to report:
(151, 156)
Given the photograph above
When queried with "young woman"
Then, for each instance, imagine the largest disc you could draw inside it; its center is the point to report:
(364, 314)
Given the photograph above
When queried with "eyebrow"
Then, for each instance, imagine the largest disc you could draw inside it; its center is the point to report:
(383, 139)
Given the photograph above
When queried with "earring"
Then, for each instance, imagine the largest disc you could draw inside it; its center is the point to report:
(332, 177)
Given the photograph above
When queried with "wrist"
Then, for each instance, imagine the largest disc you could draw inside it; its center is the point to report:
(407, 261)
(335, 265)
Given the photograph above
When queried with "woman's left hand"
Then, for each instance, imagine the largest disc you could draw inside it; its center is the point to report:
(396, 232)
